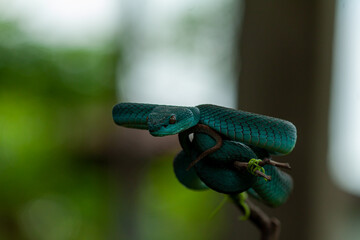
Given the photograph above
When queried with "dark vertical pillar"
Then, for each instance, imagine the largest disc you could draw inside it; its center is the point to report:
(284, 73)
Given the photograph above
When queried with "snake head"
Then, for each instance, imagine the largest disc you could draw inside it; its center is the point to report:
(170, 120)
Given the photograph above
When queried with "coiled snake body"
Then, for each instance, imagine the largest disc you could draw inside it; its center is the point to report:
(243, 136)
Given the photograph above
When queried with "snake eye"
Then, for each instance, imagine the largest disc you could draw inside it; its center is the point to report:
(147, 118)
(172, 119)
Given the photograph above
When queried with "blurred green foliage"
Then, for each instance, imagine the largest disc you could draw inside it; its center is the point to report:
(55, 175)
(171, 211)
(53, 101)
(71, 75)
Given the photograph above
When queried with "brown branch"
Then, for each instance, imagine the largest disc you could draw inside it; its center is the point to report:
(269, 227)
(244, 165)
(241, 165)
(268, 161)
(261, 174)
(201, 128)
(265, 161)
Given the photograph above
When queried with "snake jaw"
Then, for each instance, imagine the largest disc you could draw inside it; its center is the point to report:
(164, 129)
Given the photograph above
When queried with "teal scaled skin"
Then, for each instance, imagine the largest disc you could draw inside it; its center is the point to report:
(253, 135)
(217, 171)
(155, 118)
(276, 136)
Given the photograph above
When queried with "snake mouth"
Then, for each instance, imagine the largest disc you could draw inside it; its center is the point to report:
(155, 130)
(162, 133)
(165, 130)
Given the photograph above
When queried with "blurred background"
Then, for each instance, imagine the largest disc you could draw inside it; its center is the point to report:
(68, 172)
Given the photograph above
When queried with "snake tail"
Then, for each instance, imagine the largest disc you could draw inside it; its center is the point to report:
(275, 192)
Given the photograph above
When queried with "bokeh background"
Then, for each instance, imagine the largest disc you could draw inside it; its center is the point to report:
(68, 172)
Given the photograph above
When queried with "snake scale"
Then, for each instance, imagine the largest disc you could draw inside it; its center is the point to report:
(243, 136)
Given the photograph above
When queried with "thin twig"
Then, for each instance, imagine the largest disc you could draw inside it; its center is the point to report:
(201, 128)
(265, 161)
(269, 227)
(241, 165)
(261, 174)
(244, 165)
(268, 161)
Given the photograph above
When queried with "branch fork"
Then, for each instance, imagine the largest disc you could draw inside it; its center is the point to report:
(266, 161)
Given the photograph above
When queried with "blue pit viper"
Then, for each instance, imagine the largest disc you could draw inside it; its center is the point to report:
(222, 139)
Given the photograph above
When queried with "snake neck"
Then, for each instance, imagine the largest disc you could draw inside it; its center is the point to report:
(196, 115)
